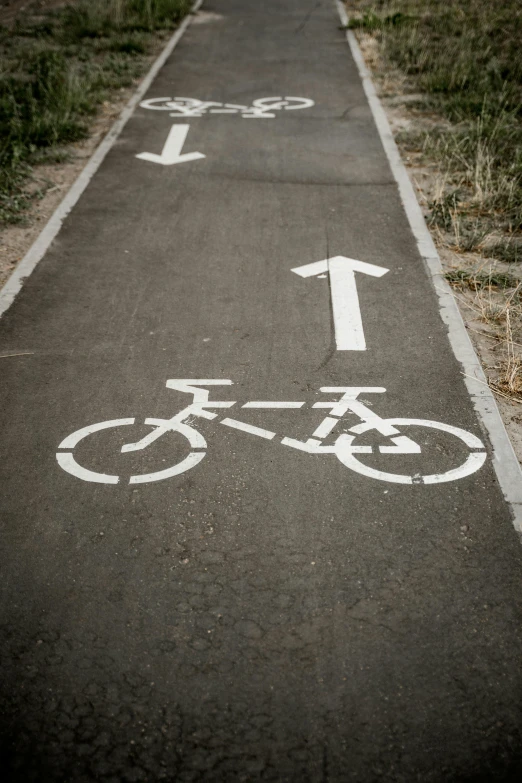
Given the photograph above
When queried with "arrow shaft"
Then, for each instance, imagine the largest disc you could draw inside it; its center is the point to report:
(175, 141)
(349, 333)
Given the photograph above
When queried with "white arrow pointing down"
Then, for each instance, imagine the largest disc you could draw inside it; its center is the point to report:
(349, 333)
(171, 152)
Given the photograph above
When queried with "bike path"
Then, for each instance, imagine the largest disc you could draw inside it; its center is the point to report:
(268, 614)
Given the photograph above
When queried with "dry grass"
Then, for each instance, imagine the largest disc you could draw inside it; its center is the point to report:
(456, 69)
(496, 302)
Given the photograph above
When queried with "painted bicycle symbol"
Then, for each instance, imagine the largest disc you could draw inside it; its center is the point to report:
(261, 108)
(345, 447)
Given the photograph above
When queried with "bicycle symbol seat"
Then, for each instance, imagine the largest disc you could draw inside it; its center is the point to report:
(345, 447)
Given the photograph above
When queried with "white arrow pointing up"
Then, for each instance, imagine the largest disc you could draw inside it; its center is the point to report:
(349, 333)
(171, 153)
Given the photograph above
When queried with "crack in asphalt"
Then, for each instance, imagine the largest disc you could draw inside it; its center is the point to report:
(305, 21)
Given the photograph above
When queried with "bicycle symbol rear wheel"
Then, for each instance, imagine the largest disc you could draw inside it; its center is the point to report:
(346, 453)
(68, 462)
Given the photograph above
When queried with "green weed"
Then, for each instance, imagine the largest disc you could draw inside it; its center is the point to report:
(371, 20)
(464, 58)
(478, 280)
(508, 251)
(54, 72)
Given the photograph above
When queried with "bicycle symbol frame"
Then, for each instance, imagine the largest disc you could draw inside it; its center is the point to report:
(344, 448)
(260, 109)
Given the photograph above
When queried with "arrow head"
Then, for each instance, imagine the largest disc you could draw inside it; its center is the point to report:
(165, 160)
(338, 262)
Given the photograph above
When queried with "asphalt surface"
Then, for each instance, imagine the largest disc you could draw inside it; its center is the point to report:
(269, 614)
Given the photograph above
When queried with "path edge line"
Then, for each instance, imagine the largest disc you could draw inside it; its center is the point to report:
(38, 249)
(505, 462)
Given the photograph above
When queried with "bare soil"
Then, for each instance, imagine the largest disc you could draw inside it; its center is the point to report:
(10, 9)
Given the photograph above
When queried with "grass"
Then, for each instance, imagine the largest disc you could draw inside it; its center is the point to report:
(56, 68)
(496, 302)
(465, 57)
(464, 61)
(479, 280)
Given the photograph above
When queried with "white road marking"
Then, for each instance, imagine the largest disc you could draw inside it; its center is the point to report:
(193, 459)
(349, 332)
(345, 451)
(278, 102)
(74, 438)
(309, 446)
(466, 437)
(343, 448)
(349, 402)
(403, 445)
(66, 461)
(150, 103)
(325, 427)
(162, 426)
(261, 108)
(198, 407)
(349, 392)
(192, 386)
(314, 446)
(171, 153)
(239, 425)
(272, 404)
(473, 463)
(309, 270)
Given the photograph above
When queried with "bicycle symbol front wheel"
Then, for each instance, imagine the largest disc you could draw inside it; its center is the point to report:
(346, 452)
(287, 103)
(68, 462)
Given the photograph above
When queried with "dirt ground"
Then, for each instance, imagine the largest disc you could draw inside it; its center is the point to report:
(9, 9)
